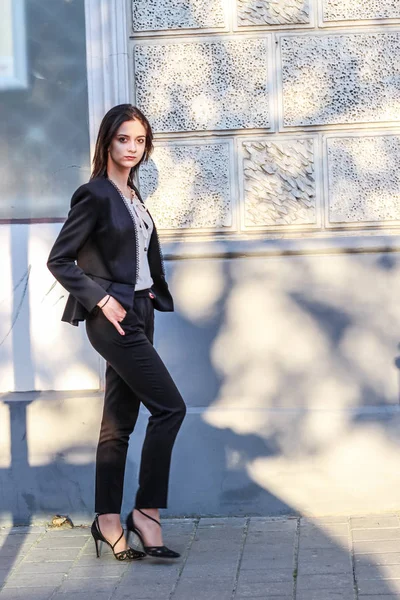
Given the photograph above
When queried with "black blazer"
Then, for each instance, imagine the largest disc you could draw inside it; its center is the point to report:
(96, 253)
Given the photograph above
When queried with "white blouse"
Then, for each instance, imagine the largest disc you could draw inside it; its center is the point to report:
(144, 227)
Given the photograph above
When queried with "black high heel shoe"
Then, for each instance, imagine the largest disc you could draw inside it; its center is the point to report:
(129, 554)
(157, 551)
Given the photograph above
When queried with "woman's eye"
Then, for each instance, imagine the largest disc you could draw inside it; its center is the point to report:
(122, 139)
(141, 140)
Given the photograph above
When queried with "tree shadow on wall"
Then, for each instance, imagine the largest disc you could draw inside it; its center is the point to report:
(296, 378)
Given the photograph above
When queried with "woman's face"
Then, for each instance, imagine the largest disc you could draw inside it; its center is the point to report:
(128, 145)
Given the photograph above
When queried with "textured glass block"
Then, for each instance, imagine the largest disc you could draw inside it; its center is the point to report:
(347, 78)
(153, 15)
(342, 10)
(188, 186)
(273, 12)
(364, 179)
(279, 182)
(191, 86)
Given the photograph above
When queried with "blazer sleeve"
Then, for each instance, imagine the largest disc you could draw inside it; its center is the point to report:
(77, 228)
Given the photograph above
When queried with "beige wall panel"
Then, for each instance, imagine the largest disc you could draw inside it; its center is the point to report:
(279, 182)
(273, 12)
(352, 10)
(153, 15)
(340, 78)
(188, 185)
(363, 179)
(204, 85)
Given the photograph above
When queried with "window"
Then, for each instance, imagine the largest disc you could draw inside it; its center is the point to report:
(44, 138)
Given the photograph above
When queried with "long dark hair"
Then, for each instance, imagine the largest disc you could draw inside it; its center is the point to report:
(110, 124)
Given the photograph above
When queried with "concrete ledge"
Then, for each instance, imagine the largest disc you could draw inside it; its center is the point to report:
(384, 410)
(233, 247)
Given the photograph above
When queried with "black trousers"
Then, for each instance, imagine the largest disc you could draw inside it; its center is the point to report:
(135, 373)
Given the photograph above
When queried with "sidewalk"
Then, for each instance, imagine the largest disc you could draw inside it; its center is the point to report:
(332, 558)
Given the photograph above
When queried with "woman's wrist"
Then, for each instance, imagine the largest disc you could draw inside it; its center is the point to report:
(103, 301)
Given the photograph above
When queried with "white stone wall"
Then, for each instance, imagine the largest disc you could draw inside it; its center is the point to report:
(270, 115)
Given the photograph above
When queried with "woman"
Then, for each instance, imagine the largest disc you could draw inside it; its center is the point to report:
(108, 257)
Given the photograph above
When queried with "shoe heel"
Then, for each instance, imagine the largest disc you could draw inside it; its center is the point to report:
(97, 543)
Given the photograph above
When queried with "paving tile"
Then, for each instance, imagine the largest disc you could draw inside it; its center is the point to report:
(28, 568)
(110, 570)
(20, 594)
(379, 546)
(265, 524)
(321, 521)
(35, 580)
(264, 597)
(87, 560)
(203, 558)
(310, 567)
(150, 591)
(378, 597)
(273, 562)
(267, 550)
(222, 522)
(68, 595)
(17, 539)
(379, 586)
(90, 550)
(326, 581)
(388, 558)
(16, 545)
(377, 521)
(379, 572)
(199, 594)
(270, 537)
(210, 570)
(252, 575)
(219, 548)
(132, 580)
(202, 589)
(324, 553)
(180, 523)
(4, 573)
(74, 532)
(60, 541)
(376, 534)
(22, 530)
(15, 554)
(257, 588)
(10, 562)
(219, 533)
(328, 529)
(325, 595)
(323, 541)
(180, 520)
(92, 586)
(38, 555)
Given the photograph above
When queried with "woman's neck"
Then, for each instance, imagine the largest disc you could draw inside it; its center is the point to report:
(118, 176)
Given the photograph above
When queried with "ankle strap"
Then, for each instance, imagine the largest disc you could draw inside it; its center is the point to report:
(99, 530)
(149, 517)
(121, 536)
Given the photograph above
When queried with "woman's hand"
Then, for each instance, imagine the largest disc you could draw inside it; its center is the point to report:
(113, 311)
